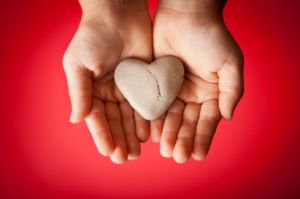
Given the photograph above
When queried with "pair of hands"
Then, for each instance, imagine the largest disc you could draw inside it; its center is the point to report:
(192, 31)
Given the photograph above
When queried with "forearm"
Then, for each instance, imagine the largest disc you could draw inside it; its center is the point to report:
(98, 7)
(194, 5)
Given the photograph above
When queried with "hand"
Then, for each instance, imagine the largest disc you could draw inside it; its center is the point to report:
(109, 32)
(194, 31)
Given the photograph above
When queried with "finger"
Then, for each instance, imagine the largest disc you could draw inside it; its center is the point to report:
(206, 127)
(80, 91)
(133, 145)
(170, 129)
(185, 139)
(142, 127)
(156, 128)
(98, 126)
(113, 113)
(231, 87)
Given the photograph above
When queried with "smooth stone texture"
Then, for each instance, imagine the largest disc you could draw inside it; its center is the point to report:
(150, 88)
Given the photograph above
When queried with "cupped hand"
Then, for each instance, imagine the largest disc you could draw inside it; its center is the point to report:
(213, 81)
(103, 39)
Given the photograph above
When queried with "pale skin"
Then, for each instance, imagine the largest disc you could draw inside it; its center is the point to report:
(191, 30)
(194, 31)
(109, 32)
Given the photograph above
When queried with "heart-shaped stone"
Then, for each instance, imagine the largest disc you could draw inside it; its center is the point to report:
(150, 88)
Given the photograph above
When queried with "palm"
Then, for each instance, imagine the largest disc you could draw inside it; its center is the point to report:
(97, 48)
(204, 46)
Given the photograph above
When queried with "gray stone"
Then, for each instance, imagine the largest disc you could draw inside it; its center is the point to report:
(150, 88)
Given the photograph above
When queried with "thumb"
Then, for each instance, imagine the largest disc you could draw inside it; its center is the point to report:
(231, 86)
(80, 90)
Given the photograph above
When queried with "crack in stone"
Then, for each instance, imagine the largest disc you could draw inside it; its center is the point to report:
(156, 82)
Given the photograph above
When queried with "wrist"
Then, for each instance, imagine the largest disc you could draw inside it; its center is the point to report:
(208, 7)
(110, 8)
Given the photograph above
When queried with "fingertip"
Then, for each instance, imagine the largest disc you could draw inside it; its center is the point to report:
(79, 113)
(226, 115)
(74, 118)
(201, 147)
(104, 143)
(133, 156)
(199, 156)
(227, 106)
(180, 156)
(143, 136)
(200, 150)
(117, 161)
(180, 161)
(134, 150)
(142, 127)
(118, 156)
(165, 151)
(106, 150)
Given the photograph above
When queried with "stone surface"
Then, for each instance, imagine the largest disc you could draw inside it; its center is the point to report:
(150, 88)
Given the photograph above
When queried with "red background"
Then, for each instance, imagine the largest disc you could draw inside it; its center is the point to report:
(42, 155)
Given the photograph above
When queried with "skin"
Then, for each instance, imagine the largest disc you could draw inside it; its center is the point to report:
(191, 30)
(109, 32)
(194, 31)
